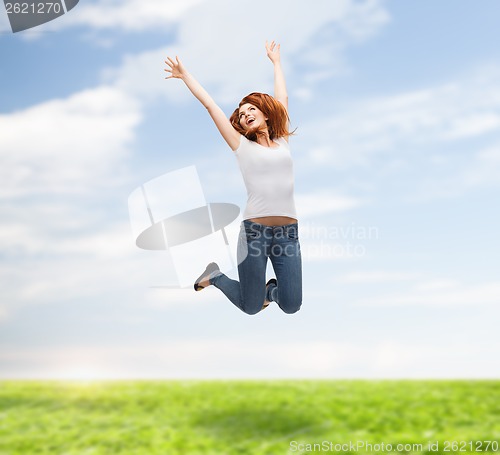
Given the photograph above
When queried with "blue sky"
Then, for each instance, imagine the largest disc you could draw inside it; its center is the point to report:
(397, 106)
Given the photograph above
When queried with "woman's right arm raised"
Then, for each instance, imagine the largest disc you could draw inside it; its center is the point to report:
(177, 70)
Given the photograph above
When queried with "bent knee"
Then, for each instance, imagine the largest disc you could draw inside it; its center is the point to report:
(291, 310)
(251, 311)
(291, 306)
(252, 306)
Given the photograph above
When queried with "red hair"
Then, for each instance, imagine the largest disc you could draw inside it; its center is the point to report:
(277, 116)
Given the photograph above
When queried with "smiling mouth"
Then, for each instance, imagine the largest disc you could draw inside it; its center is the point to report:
(250, 121)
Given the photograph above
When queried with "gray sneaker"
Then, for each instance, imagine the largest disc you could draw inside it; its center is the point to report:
(267, 302)
(212, 267)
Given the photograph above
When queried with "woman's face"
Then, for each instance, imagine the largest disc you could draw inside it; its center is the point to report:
(251, 117)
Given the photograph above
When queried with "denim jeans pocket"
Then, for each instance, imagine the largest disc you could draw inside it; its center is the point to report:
(292, 233)
(252, 233)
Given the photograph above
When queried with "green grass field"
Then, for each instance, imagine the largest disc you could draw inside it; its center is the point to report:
(248, 417)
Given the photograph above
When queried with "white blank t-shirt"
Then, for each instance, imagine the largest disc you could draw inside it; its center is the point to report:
(268, 176)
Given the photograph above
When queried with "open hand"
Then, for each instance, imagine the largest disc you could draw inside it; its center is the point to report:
(273, 51)
(175, 68)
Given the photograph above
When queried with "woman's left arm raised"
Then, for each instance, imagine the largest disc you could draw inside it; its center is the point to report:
(280, 93)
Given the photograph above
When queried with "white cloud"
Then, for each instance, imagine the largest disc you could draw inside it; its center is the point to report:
(485, 170)
(437, 285)
(320, 202)
(475, 124)
(357, 20)
(389, 125)
(331, 241)
(61, 162)
(256, 359)
(64, 145)
(53, 263)
(48, 269)
(439, 293)
(481, 170)
(379, 276)
(143, 77)
(490, 155)
(127, 15)
(220, 44)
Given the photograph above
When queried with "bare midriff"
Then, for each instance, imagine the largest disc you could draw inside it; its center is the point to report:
(274, 220)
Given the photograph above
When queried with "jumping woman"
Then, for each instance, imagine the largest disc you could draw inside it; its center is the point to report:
(258, 132)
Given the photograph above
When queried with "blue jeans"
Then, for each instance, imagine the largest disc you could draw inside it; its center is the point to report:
(257, 243)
